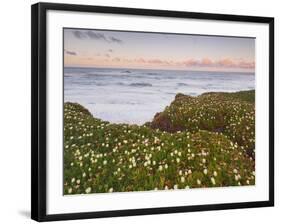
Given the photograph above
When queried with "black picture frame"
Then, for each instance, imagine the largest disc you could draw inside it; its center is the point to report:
(39, 108)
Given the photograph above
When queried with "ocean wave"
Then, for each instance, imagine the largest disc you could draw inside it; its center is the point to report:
(120, 83)
(182, 84)
(140, 84)
(127, 71)
(151, 73)
(193, 94)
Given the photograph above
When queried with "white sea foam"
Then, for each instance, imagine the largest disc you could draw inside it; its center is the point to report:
(134, 96)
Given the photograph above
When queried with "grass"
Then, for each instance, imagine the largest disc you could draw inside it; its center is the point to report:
(232, 114)
(103, 157)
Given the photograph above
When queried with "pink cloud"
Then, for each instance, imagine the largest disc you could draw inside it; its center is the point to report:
(140, 60)
(245, 64)
(206, 62)
(126, 60)
(155, 61)
(190, 62)
(116, 59)
(225, 62)
(240, 64)
(193, 62)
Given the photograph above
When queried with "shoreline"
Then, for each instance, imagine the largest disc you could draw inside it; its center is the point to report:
(194, 96)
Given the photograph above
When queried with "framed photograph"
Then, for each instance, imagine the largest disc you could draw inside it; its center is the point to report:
(140, 111)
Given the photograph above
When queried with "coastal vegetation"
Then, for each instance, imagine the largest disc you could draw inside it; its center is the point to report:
(196, 142)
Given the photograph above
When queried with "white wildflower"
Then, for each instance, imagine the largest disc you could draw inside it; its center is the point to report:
(182, 179)
(160, 168)
(88, 190)
(205, 171)
(213, 180)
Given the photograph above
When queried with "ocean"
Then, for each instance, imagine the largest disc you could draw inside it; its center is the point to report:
(134, 96)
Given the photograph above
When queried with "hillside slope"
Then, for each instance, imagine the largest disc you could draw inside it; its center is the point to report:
(104, 157)
(232, 114)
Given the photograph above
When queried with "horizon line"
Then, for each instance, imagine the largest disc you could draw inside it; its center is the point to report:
(158, 69)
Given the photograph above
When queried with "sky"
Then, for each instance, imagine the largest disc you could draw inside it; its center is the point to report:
(121, 49)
